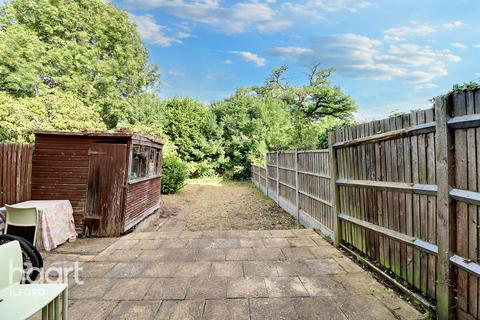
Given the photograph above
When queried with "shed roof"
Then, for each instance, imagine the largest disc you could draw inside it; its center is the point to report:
(102, 134)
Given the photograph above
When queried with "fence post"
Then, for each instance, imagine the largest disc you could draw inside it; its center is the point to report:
(278, 179)
(297, 195)
(445, 209)
(266, 172)
(334, 195)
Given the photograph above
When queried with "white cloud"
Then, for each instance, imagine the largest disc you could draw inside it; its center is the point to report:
(152, 32)
(234, 19)
(452, 25)
(228, 61)
(318, 9)
(477, 46)
(358, 56)
(459, 45)
(251, 57)
(176, 73)
(426, 86)
(414, 29)
(285, 52)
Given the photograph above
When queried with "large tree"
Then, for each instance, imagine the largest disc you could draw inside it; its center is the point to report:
(88, 48)
(192, 128)
(312, 106)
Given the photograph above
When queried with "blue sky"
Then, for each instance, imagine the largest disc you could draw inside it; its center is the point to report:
(388, 55)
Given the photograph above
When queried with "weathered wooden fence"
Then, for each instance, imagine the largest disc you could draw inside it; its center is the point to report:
(405, 191)
(15, 173)
(303, 187)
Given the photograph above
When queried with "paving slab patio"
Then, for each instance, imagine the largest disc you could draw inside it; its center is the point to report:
(281, 274)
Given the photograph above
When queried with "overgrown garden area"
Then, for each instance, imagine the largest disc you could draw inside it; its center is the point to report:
(81, 65)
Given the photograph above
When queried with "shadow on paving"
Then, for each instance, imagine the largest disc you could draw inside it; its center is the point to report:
(171, 272)
(238, 274)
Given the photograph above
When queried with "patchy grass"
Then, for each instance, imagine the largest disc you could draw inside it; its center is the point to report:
(216, 204)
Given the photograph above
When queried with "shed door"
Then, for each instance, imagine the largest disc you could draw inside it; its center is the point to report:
(106, 181)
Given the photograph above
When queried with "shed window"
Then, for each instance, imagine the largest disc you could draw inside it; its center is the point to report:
(139, 162)
(152, 164)
(158, 162)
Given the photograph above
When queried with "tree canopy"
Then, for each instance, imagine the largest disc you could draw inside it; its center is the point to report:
(80, 65)
(87, 48)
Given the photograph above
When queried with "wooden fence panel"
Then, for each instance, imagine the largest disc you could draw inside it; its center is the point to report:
(15, 173)
(398, 159)
(406, 194)
(304, 186)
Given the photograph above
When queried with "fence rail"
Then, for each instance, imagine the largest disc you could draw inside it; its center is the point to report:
(15, 173)
(404, 191)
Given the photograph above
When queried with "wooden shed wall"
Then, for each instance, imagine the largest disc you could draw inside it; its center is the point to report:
(143, 198)
(60, 171)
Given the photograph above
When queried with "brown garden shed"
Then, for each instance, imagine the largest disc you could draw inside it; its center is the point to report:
(113, 180)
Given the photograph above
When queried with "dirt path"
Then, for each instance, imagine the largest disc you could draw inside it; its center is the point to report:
(223, 205)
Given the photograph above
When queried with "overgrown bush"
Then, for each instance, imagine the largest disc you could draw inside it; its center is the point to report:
(174, 174)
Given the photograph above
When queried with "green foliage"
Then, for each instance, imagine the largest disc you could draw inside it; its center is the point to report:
(471, 85)
(21, 53)
(250, 126)
(80, 65)
(19, 118)
(192, 128)
(87, 48)
(174, 174)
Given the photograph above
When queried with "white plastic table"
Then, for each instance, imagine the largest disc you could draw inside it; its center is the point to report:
(56, 221)
(20, 302)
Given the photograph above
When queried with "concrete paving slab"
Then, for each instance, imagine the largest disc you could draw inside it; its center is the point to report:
(239, 254)
(207, 288)
(297, 253)
(363, 307)
(193, 269)
(96, 309)
(285, 287)
(324, 266)
(181, 310)
(168, 289)
(138, 310)
(260, 269)
(92, 288)
(227, 309)
(276, 243)
(126, 270)
(207, 254)
(149, 244)
(246, 287)
(273, 254)
(323, 286)
(96, 269)
(301, 242)
(273, 308)
(292, 268)
(318, 308)
(129, 289)
(231, 269)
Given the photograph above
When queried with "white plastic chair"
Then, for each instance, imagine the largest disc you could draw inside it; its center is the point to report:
(22, 217)
(21, 301)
